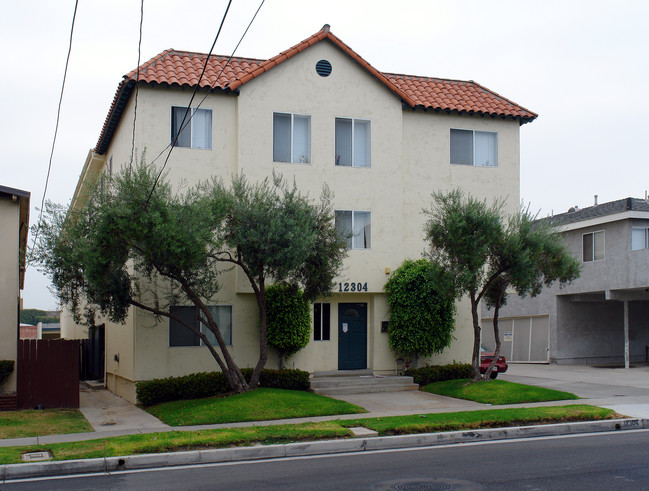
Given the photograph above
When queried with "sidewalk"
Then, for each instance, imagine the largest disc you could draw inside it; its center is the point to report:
(626, 392)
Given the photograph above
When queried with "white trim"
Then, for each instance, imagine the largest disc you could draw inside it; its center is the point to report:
(625, 215)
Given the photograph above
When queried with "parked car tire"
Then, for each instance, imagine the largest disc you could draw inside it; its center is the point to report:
(493, 375)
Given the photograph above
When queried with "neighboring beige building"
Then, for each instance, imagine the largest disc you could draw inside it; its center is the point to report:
(317, 113)
(14, 227)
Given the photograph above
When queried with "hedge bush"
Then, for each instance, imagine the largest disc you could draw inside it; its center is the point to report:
(207, 384)
(6, 368)
(437, 373)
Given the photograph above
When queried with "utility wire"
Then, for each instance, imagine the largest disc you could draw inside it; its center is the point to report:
(183, 126)
(217, 77)
(137, 81)
(188, 110)
(56, 128)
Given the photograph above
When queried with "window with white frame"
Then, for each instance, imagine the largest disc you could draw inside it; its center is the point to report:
(191, 128)
(639, 238)
(356, 227)
(179, 335)
(478, 148)
(593, 246)
(321, 321)
(353, 142)
(291, 138)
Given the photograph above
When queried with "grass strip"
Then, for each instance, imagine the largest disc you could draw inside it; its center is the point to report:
(27, 423)
(496, 392)
(175, 441)
(491, 418)
(266, 435)
(258, 405)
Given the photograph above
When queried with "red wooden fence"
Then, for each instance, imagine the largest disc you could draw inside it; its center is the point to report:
(48, 373)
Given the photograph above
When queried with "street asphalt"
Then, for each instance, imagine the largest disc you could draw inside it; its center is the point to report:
(624, 391)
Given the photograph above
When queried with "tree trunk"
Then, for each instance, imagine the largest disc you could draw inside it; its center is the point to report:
(475, 360)
(281, 362)
(260, 293)
(490, 369)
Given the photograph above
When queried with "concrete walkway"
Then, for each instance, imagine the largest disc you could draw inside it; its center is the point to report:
(626, 392)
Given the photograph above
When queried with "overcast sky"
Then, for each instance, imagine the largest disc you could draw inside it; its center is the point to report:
(581, 65)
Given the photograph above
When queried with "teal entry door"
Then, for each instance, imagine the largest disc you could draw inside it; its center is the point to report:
(352, 336)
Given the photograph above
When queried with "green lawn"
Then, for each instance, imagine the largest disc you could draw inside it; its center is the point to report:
(490, 418)
(496, 392)
(175, 441)
(265, 435)
(26, 423)
(257, 405)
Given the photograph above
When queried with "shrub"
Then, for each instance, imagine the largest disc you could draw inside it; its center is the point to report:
(422, 309)
(6, 368)
(207, 384)
(289, 320)
(437, 373)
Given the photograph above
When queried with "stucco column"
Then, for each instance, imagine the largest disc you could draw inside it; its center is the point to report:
(626, 335)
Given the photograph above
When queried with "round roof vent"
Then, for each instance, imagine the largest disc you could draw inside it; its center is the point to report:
(323, 67)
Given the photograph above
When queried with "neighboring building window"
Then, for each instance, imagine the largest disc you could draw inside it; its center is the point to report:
(196, 129)
(593, 246)
(479, 148)
(353, 142)
(321, 321)
(291, 138)
(639, 238)
(356, 226)
(179, 335)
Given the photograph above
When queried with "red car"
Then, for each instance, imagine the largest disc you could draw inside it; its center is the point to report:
(485, 361)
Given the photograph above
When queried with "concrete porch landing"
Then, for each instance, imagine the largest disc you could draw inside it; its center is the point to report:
(358, 382)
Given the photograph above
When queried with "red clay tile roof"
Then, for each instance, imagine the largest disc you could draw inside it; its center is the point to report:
(182, 68)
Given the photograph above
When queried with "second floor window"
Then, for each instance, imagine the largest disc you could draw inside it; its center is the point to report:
(639, 238)
(353, 142)
(479, 148)
(593, 246)
(192, 128)
(291, 138)
(356, 226)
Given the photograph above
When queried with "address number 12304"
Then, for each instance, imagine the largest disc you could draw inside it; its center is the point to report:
(352, 287)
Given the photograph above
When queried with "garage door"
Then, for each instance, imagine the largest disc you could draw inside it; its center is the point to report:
(523, 339)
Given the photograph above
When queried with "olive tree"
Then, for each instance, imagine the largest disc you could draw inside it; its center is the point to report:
(486, 252)
(532, 256)
(138, 243)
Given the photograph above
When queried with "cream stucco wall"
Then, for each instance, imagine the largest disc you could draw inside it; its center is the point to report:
(9, 279)
(410, 160)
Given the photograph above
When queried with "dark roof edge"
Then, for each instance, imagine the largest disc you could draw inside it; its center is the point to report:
(598, 211)
(13, 191)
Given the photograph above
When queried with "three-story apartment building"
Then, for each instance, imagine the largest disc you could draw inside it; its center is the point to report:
(318, 114)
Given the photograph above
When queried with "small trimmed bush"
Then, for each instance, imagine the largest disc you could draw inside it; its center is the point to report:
(6, 369)
(207, 384)
(437, 373)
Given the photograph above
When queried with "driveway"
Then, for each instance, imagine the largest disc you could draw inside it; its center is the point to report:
(624, 391)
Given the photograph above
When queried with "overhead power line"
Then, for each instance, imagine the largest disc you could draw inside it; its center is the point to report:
(56, 128)
(137, 80)
(186, 120)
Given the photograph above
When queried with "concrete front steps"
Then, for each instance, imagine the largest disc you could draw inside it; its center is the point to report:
(358, 382)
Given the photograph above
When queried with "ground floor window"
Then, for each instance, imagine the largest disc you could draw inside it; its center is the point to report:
(321, 321)
(179, 335)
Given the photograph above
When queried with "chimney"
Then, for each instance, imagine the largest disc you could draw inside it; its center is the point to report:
(595, 200)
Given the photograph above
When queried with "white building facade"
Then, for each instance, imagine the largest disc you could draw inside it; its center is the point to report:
(318, 114)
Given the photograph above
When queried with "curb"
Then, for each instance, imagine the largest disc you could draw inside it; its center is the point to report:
(131, 462)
